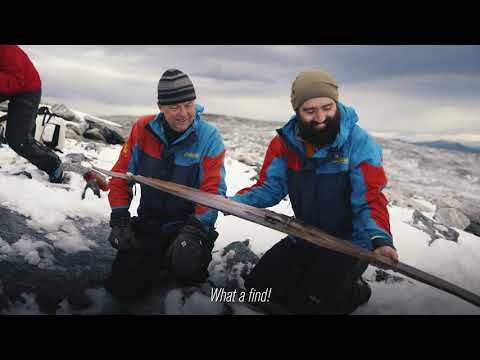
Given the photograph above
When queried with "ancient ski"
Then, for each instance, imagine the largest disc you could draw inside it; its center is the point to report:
(294, 227)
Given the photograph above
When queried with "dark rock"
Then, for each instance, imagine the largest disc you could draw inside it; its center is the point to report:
(99, 132)
(92, 146)
(242, 253)
(94, 134)
(383, 276)
(435, 230)
(24, 173)
(67, 277)
(111, 136)
(473, 228)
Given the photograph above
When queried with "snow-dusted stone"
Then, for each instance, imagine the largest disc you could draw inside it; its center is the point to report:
(432, 228)
(395, 197)
(383, 276)
(234, 262)
(4, 106)
(248, 159)
(471, 208)
(468, 207)
(71, 134)
(452, 217)
(76, 157)
(448, 202)
(77, 128)
(398, 198)
(65, 113)
(32, 263)
(241, 252)
(93, 147)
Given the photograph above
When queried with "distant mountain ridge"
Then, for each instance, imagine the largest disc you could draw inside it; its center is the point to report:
(449, 145)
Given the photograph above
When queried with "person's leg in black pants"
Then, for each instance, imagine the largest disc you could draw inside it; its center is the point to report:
(22, 114)
(280, 269)
(307, 279)
(136, 272)
(330, 284)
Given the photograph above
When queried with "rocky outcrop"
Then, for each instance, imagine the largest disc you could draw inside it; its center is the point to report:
(383, 276)
(452, 217)
(235, 262)
(94, 134)
(30, 264)
(434, 229)
(85, 126)
(401, 199)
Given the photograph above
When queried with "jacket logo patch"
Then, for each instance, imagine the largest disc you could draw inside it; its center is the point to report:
(125, 148)
(191, 155)
(342, 160)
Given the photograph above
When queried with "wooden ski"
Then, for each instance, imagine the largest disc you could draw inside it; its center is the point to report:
(294, 227)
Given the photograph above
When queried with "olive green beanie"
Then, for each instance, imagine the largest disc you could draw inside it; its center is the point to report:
(310, 84)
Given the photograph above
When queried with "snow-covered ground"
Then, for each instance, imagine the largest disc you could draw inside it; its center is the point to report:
(55, 212)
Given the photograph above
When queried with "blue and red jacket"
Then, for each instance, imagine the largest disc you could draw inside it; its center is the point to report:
(338, 189)
(195, 159)
(17, 73)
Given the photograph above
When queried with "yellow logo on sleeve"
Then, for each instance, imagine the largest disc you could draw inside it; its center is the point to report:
(191, 155)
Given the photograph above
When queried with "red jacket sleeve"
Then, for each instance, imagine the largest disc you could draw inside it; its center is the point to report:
(120, 194)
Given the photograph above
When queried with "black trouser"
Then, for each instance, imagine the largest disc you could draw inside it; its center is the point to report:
(307, 279)
(135, 273)
(22, 114)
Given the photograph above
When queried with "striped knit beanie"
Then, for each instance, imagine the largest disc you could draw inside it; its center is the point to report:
(175, 87)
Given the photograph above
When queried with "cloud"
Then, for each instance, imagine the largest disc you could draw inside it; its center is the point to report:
(395, 86)
(380, 108)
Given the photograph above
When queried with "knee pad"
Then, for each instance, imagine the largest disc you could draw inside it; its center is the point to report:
(189, 260)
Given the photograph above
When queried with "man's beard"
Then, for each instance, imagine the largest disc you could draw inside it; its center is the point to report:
(319, 137)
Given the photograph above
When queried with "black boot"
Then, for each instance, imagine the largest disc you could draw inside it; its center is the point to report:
(59, 176)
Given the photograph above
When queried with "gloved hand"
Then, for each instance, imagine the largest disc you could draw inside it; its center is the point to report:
(95, 182)
(92, 184)
(122, 236)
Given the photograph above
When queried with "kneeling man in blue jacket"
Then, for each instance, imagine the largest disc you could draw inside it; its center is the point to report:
(332, 171)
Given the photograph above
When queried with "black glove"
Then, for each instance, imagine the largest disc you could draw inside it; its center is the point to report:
(122, 236)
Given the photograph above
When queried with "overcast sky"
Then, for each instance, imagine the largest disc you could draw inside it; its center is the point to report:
(409, 88)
